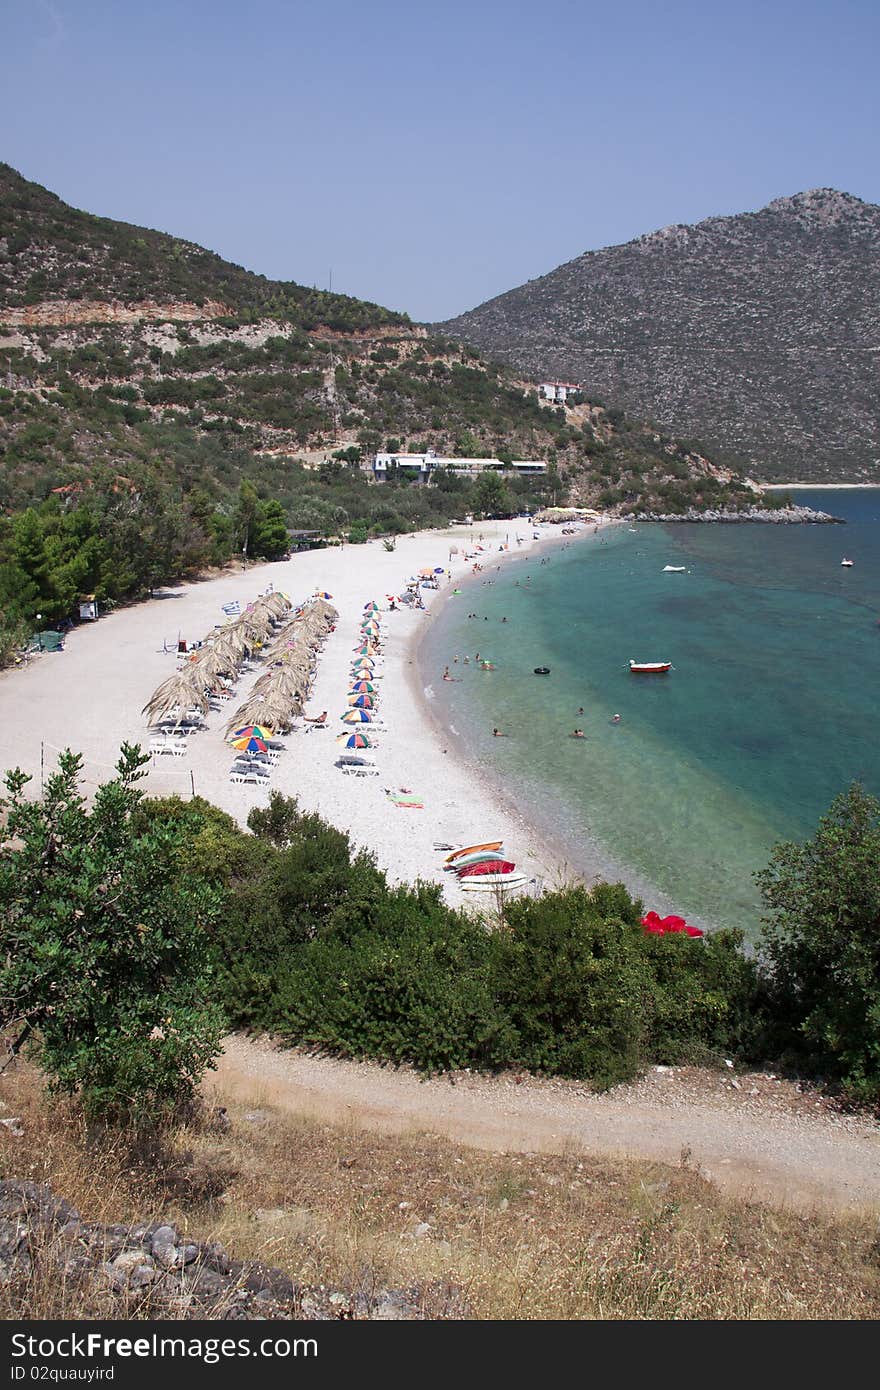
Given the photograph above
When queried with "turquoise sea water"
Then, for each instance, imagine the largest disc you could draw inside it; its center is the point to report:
(771, 708)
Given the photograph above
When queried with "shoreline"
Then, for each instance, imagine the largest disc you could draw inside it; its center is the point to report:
(547, 858)
(820, 487)
(564, 860)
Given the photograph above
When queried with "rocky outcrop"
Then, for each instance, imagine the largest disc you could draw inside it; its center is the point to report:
(154, 1269)
(783, 516)
(58, 313)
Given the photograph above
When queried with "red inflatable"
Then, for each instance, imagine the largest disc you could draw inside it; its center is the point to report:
(656, 925)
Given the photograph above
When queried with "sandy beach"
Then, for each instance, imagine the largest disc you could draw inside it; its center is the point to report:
(90, 696)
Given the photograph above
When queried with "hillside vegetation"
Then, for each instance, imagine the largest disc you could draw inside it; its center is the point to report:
(162, 410)
(757, 334)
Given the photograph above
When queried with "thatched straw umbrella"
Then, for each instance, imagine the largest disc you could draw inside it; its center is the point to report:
(179, 692)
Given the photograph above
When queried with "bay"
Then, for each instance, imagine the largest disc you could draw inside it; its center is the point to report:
(769, 712)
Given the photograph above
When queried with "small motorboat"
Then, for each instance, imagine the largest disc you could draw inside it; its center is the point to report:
(472, 849)
(491, 866)
(847, 564)
(649, 668)
(542, 670)
(674, 569)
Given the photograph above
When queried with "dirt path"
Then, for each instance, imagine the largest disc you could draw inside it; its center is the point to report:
(756, 1135)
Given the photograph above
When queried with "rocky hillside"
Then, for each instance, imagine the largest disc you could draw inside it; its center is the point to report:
(122, 345)
(757, 334)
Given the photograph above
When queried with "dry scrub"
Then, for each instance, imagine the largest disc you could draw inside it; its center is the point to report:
(522, 1236)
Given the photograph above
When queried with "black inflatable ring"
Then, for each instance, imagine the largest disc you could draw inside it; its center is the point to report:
(542, 670)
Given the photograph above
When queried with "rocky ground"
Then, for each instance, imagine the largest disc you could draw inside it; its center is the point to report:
(153, 1270)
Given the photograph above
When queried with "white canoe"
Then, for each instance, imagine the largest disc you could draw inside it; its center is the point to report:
(485, 882)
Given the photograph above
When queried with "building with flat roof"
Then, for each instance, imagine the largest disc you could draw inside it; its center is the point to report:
(559, 391)
(423, 465)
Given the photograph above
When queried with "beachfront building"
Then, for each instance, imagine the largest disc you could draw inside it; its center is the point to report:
(559, 391)
(421, 466)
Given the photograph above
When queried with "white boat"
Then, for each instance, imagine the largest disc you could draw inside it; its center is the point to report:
(847, 564)
(674, 569)
(649, 668)
(487, 882)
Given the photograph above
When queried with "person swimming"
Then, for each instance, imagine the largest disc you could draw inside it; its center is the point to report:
(615, 719)
(577, 733)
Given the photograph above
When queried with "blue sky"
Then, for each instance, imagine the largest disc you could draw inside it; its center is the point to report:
(432, 156)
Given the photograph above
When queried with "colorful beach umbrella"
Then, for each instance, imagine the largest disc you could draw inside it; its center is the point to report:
(252, 731)
(361, 687)
(363, 663)
(361, 701)
(371, 607)
(249, 744)
(357, 716)
(320, 593)
(354, 740)
(367, 649)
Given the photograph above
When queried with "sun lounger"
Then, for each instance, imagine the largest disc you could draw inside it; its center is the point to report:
(175, 747)
(359, 771)
(254, 778)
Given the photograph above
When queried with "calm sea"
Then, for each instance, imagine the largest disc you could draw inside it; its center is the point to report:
(769, 712)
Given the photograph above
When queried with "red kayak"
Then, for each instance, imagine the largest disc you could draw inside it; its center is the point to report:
(491, 866)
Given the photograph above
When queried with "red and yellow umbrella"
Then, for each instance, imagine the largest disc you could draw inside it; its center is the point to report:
(361, 701)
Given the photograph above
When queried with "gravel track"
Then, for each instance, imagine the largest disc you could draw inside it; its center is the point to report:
(757, 1135)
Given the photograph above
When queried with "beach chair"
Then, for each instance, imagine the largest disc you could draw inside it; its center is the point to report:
(175, 748)
(253, 778)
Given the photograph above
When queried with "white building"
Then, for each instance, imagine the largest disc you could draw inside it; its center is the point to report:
(423, 465)
(558, 391)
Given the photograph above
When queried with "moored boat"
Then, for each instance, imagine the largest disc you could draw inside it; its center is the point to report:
(649, 668)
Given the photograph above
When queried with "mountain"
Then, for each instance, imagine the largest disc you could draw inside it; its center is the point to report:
(757, 334)
(161, 410)
(51, 253)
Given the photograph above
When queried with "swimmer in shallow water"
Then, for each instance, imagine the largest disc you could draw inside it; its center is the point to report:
(615, 719)
(577, 733)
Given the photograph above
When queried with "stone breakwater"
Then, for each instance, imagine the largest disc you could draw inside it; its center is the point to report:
(152, 1269)
(780, 516)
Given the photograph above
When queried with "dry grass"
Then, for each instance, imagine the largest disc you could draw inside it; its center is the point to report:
(524, 1236)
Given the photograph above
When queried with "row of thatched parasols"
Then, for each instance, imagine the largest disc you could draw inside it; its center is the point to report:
(280, 691)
